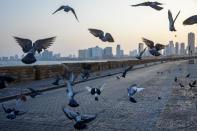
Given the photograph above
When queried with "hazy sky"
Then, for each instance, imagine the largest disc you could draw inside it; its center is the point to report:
(33, 19)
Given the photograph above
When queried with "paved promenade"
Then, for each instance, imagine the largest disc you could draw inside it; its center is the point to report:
(115, 111)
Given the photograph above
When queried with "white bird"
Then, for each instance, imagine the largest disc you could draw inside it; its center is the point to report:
(100, 34)
(67, 9)
(31, 49)
(171, 21)
(132, 90)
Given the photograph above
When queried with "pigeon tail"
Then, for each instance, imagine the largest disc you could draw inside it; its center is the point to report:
(132, 100)
(80, 125)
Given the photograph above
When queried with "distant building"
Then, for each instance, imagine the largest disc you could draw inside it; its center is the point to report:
(140, 48)
(118, 51)
(167, 51)
(182, 49)
(97, 52)
(191, 43)
(177, 48)
(171, 48)
(107, 53)
(5, 58)
(121, 53)
(133, 53)
(89, 53)
(81, 54)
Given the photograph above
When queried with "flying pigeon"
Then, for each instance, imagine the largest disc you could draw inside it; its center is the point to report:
(12, 112)
(153, 49)
(85, 74)
(154, 5)
(21, 98)
(72, 79)
(34, 93)
(181, 85)
(139, 57)
(193, 84)
(31, 49)
(67, 9)
(191, 20)
(100, 34)
(188, 75)
(131, 91)
(4, 80)
(171, 21)
(81, 120)
(175, 79)
(126, 70)
(95, 91)
(71, 94)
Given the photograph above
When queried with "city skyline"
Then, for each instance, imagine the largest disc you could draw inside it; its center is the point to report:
(34, 20)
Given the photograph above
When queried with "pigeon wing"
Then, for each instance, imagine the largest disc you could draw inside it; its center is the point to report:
(5, 108)
(71, 115)
(77, 92)
(60, 8)
(141, 53)
(97, 33)
(176, 16)
(31, 89)
(109, 37)
(73, 11)
(156, 7)
(26, 44)
(43, 43)
(148, 43)
(191, 20)
(88, 88)
(87, 118)
(159, 47)
(142, 4)
(101, 87)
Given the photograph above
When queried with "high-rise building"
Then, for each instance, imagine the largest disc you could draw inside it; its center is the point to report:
(191, 43)
(107, 53)
(97, 52)
(171, 48)
(89, 53)
(81, 54)
(182, 49)
(133, 53)
(140, 48)
(118, 51)
(121, 53)
(177, 48)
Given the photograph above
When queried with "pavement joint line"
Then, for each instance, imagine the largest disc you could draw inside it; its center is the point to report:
(106, 75)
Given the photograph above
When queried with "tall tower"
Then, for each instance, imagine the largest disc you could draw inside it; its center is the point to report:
(177, 48)
(118, 51)
(182, 50)
(191, 43)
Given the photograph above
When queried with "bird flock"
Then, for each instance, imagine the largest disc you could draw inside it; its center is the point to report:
(31, 48)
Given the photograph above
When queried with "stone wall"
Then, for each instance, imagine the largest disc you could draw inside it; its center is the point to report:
(39, 72)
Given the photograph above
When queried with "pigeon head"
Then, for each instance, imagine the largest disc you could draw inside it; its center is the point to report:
(29, 59)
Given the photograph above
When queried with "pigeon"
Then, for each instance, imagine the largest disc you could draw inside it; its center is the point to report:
(118, 77)
(126, 70)
(191, 85)
(21, 98)
(132, 90)
(171, 21)
(67, 9)
(159, 98)
(31, 49)
(4, 80)
(85, 74)
(181, 85)
(56, 81)
(187, 76)
(175, 79)
(12, 112)
(95, 91)
(154, 5)
(34, 93)
(71, 94)
(191, 20)
(81, 120)
(194, 82)
(72, 79)
(99, 33)
(139, 57)
(153, 49)
(67, 76)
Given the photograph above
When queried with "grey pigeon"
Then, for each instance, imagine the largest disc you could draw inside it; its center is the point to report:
(99, 33)
(139, 57)
(12, 112)
(187, 76)
(31, 49)
(181, 85)
(95, 91)
(126, 70)
(132, 90)
(153, 49)
(67, 9)
(171, 21)
(175, 79)
(154, 5)
(34, 93)
(191, 20)
(4, 80)
(85, 74)
(71, 94)
(81, 120)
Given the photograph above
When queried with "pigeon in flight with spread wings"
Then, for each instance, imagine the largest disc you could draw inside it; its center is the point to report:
(171, 21)
(139, 57)
(95, 91)
(126, 70)
(132, 90)
(99, 33)
(67, 9)
(154, 5)
(153, 49)
(31, 49)
(71, 94)
(191, 20)
(80, 119)
(34, 93)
